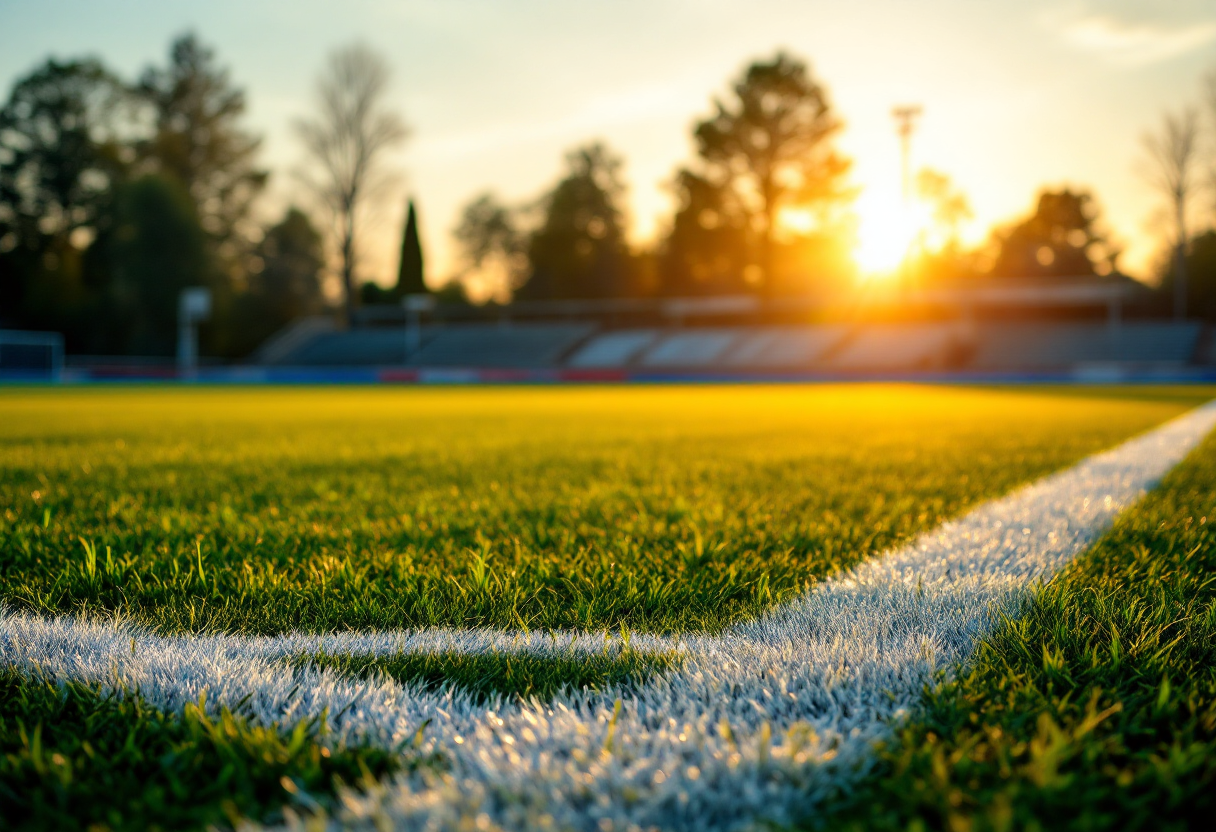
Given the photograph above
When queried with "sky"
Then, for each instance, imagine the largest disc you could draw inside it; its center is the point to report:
(1017, 94)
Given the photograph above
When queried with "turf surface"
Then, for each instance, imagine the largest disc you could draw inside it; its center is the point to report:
(1096, 709)
(661, 509)
(503, 674)
(656, 509)
(72, 757)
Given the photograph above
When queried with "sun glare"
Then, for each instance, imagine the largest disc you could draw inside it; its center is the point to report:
(888, 228)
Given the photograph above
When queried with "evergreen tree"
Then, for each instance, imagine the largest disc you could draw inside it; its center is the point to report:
(409, 272)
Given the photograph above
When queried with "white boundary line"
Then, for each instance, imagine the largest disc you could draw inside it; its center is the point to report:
(757, 724)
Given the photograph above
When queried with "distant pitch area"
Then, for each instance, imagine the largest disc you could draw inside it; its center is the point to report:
(588, 607)
(661, 509)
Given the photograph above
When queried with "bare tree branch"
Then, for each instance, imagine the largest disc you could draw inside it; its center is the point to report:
(1173, 157)
(346, 140)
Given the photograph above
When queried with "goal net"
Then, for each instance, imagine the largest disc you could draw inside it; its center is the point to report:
(32, 356)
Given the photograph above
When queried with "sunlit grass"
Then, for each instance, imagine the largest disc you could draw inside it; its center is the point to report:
(1096, 709)
(659, 509)
(73, 757)
(505, 674)
(662, 509)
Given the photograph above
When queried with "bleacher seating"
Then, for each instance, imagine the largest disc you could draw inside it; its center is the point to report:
(356, 347)
(613, 349)
(692, 348)
(465, 345)
(787, 347)
(982, 346)
(894, 347)
(1038, 345)
(514, 345)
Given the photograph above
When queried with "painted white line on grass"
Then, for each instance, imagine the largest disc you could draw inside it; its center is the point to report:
(757, 724)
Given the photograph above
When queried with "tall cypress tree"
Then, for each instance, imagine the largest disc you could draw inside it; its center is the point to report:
(409, 274)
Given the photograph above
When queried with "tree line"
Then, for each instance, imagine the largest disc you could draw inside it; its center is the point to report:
(765, 208)
(766, 153)
(115, 194)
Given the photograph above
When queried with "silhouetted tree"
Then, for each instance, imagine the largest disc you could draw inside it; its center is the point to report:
(346, 141)
(284, 282)
(1172, 168)
(1201, 276)
(409, 272)
(1209, 104)
(770, 144)
(292, 262)
(579, 249)
(942, 257)
(198, 140)
(492, 246)
(60, 157)
(156, 248)
(452, 293)
(707, 250)
(1061, 239)
(949, 207)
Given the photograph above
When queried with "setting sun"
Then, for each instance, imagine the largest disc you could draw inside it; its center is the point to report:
(888, 229)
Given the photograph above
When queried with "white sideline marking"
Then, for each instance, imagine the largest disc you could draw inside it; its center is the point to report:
(805, 688)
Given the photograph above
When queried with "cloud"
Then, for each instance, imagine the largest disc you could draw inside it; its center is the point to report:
(1131, 44)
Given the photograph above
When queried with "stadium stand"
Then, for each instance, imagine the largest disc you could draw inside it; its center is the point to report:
(978, 346)
(894, 347)
(784, 347)
(1026, 346)
(692, 348)
(516, 345)
(613, 349)
(457, 345)
(279, 347)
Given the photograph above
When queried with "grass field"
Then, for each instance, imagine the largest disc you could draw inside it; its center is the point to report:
(655, 509)
(630, 510)
(1096, 709)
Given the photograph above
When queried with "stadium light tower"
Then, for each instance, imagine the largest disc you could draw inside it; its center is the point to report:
(193, 307)
(905, 125)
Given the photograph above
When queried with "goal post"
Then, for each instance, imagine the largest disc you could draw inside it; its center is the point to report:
(30, 356)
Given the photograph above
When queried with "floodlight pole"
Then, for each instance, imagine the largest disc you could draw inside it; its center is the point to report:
(905, 125)
(193, 307)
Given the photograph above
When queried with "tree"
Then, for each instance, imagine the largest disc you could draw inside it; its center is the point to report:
(948, 207)
(284, 282)
(939, 256)
(409, 273)
(1209, 102)
(771, 146)
(198, 141)
(706, 251)
(156, 248)
(1061, 239)
(60, 158)
(493, 248)
(579, 249)
(1172, 160)
(346, 141)
(1201, 275)
(292, 260)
